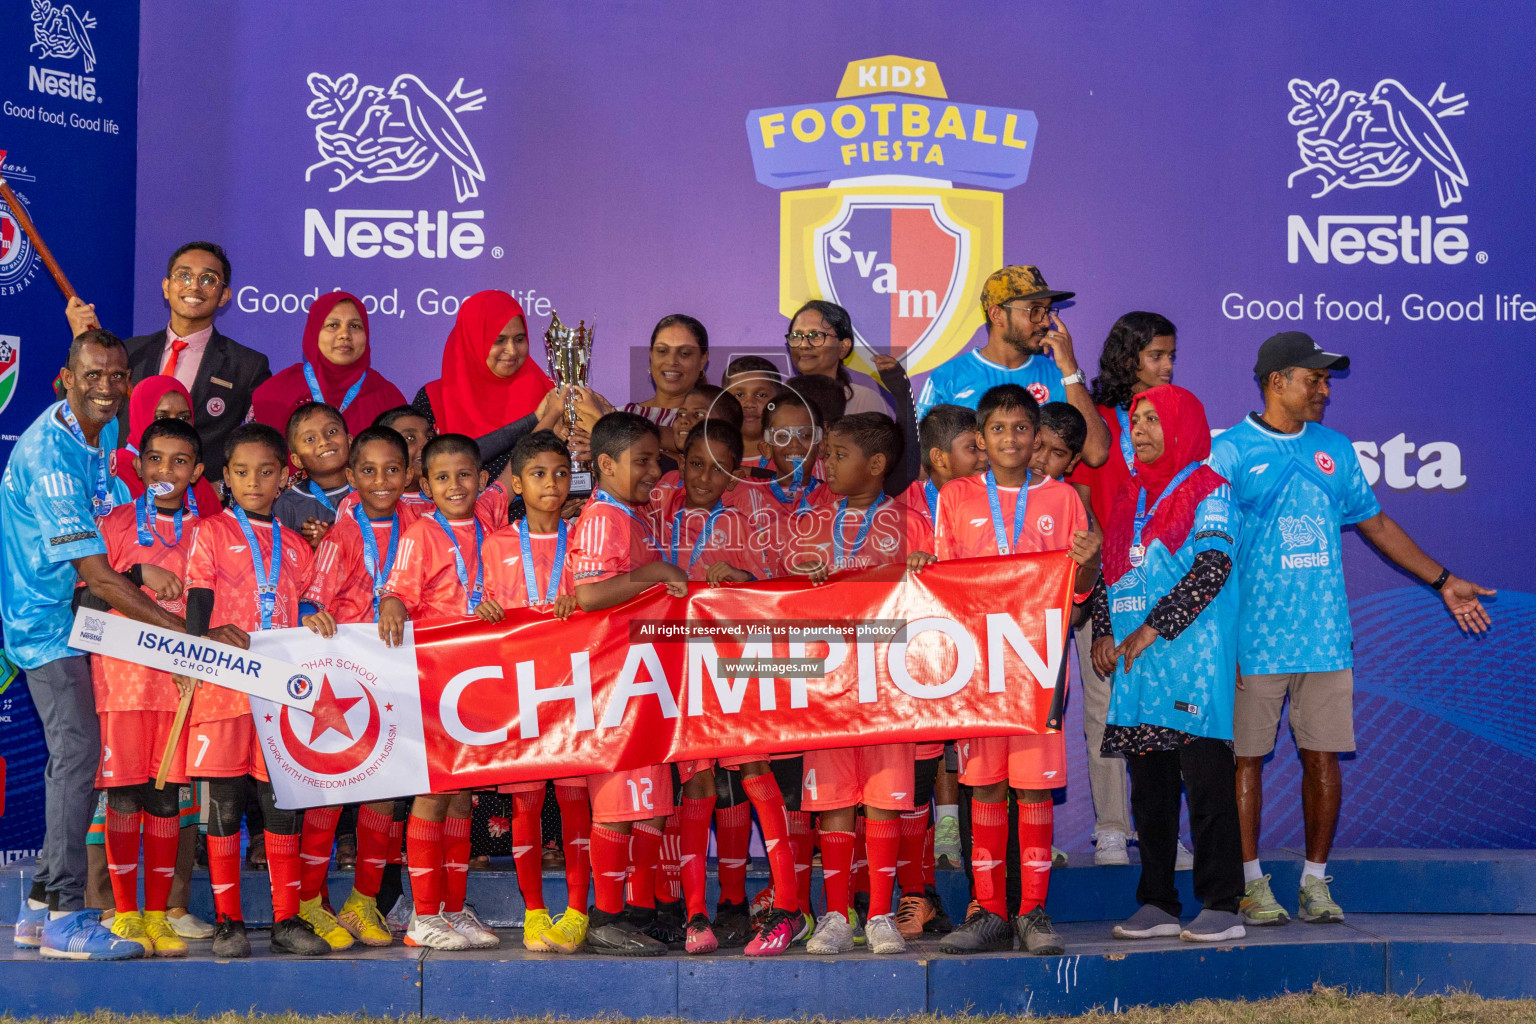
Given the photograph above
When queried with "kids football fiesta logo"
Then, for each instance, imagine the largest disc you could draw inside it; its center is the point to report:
(891, 239)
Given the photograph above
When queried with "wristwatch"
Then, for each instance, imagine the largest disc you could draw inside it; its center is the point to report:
(1077, 378)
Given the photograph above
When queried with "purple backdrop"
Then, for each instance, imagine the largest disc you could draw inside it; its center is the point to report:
(600, 159)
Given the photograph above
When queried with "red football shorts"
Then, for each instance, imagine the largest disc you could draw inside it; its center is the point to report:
(534, 787)
(876, 776)
(631, 796)
(688, 769)
(929, 751)
(224, 749)
(131, 745)
(1026, 762)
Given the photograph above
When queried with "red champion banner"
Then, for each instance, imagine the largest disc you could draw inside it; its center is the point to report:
(967, 648)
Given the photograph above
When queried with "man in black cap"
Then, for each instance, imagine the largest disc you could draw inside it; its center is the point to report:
(1297, 484)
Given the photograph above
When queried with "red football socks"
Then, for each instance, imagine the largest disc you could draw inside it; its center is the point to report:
(763, 792)
(610, 867)
(836, 870)
(909, 859)
(883, 841)
(669, 867)
(528, 847)
(162, 839)
(224, 875)
(695, 851)
(123, 858)
(803, 842)
(372, 850)
(859, 880)
(576, 831)
(424, 851)
(396, 841)
(283, 865)
(644, 855)
(315, 849)
(989, 855)
(1035, 824)
(455, 864)
(733, 833)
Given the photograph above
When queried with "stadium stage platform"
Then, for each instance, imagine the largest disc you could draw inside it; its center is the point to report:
(1419, 921)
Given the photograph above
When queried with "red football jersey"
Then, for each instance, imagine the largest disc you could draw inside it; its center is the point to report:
(895, 532)
(611, 540)
(342, 585)
(916, 496)
(122, 685)
(1052, 513)
(221, 561)
(732, 539)
(506, 580)
(426, 574)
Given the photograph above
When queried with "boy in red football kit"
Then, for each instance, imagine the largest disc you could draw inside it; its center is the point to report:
(352, 564)
(792, 443)
(615, 556)
(247, 569)
(417, 431)
(1025, 515)
(151, 538)
(438, 577)
(525, 566)
(864, 529)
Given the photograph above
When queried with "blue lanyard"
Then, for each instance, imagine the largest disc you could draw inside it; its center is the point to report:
(473, 597)
(624, 507)
(932, 494)
(1143, 516)
(371, 552)
(698, 545)
(147, 534)
(530, 578)
(1127, 450)
(799, 497)
(838, 558)
(101, 499)
(1003, 545)
(191, 502)
(319, 396)
(321, 496)
(266, 580)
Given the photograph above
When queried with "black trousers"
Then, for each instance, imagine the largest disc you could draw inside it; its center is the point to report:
(1209, 775)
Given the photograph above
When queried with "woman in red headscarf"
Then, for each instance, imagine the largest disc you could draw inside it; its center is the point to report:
(335, 370)
(156, 398)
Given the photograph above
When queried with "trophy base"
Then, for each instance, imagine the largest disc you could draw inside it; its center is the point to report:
(581, 483)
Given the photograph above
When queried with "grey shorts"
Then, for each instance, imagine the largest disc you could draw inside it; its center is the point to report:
(1322, 711)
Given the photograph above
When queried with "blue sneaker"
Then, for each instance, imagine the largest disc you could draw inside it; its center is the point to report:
(29, 925)
(80, 936)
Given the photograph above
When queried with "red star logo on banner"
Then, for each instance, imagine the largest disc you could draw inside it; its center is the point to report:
(330, 712)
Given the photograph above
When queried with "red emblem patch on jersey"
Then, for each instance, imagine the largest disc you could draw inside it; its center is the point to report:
(1046, 524)
(1041, 393)
(1324, 462)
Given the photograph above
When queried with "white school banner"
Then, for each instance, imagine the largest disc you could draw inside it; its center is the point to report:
(361, 739)
(259, 673)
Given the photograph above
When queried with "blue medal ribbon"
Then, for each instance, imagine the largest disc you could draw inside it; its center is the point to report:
(266, 579)
(703, 539)
(1127, 450)
(932, 494)
(319, 396)
(1004, 546)
(321, 496)
(149, 533)
(799, 496)
(191, 503)
(838, 559)
(101, 497)
(1138, 552)
(530, 578)
(473, 597)
(380, 574)
(622, 506)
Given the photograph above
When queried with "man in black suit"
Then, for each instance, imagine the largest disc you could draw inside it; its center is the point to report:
(219, 372)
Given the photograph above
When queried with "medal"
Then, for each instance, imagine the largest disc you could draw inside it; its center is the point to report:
(703, 539)
(1138, 551)
(266, 579)
(1004, 545)
(101, 497)
(148, 533)
(838, 559)
(380, 574)
(472, 597)
(530, 579)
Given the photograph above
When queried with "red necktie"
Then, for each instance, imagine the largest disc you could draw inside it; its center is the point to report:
(170, 364)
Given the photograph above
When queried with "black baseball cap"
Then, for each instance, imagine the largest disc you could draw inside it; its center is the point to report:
(1295, 348)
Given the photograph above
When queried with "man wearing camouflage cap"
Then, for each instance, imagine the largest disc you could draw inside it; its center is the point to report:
(1028, 345)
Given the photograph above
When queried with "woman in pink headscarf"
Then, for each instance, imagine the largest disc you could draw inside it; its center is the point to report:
(156, 398)
(335, 370)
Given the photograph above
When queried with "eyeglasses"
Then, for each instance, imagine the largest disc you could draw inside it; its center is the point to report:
(1036, 314)
(207, 279)
(782, 437)
(813, 339)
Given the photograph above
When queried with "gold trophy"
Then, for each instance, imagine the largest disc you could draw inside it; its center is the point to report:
(569, 351)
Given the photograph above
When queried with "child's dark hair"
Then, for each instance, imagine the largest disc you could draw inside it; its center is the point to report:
(873, 433)
(178, 430)
(1066, 423)
(722, 404)
(388, 435)
(1005, 398)
(825, 392)
(787, 399)
(720, 431)
(309, 409)
(941, 426)
(256, 433)
(531, 446)
(757, 366)
(389, 417)
(617, 432)
(450, 444)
